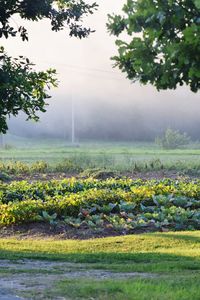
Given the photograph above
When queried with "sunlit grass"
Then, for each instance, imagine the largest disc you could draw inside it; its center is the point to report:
(172, 261)
(115, 249)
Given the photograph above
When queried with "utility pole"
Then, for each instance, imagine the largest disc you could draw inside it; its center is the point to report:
(73, 123)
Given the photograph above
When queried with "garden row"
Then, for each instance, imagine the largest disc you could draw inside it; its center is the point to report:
(121, 204)
(100, 165)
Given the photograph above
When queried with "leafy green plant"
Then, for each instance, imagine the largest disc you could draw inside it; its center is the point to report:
(4, 177)
(51, 219)
(121, 204)
(39, 166)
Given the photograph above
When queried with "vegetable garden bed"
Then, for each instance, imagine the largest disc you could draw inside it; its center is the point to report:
(100, 207)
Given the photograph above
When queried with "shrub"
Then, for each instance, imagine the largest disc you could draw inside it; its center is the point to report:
(39, 166)
(173, 139)
(67, 165)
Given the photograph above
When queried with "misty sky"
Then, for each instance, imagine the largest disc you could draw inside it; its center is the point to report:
(105, 101)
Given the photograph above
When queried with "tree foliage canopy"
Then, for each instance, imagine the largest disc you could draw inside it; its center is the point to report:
(62, 13)
(22, 88)
(164, 49)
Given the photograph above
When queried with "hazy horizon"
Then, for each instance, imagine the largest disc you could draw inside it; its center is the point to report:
(107, 105)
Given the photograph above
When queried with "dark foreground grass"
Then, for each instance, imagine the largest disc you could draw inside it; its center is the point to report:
(167, 288)
(170, 260)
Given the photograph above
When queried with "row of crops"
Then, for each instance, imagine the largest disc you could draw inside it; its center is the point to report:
(122, 204)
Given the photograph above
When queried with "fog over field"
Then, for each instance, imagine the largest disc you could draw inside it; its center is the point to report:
(106, 104)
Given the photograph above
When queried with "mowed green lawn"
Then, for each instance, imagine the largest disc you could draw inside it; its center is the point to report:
(171, 262)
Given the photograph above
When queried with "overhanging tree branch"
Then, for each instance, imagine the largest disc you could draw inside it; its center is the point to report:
(166, 52)
(22, 88)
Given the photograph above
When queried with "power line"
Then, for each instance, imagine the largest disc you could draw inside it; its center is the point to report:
(81, 67)
(91, 72)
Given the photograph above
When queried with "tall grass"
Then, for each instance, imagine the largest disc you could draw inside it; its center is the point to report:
(79, 163)
(56, 156)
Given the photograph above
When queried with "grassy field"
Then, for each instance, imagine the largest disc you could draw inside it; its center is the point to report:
(151, 266)
(124, 157)
(170, 262)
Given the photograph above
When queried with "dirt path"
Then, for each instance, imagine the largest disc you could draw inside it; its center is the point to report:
(29, 279)
(148, 175)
